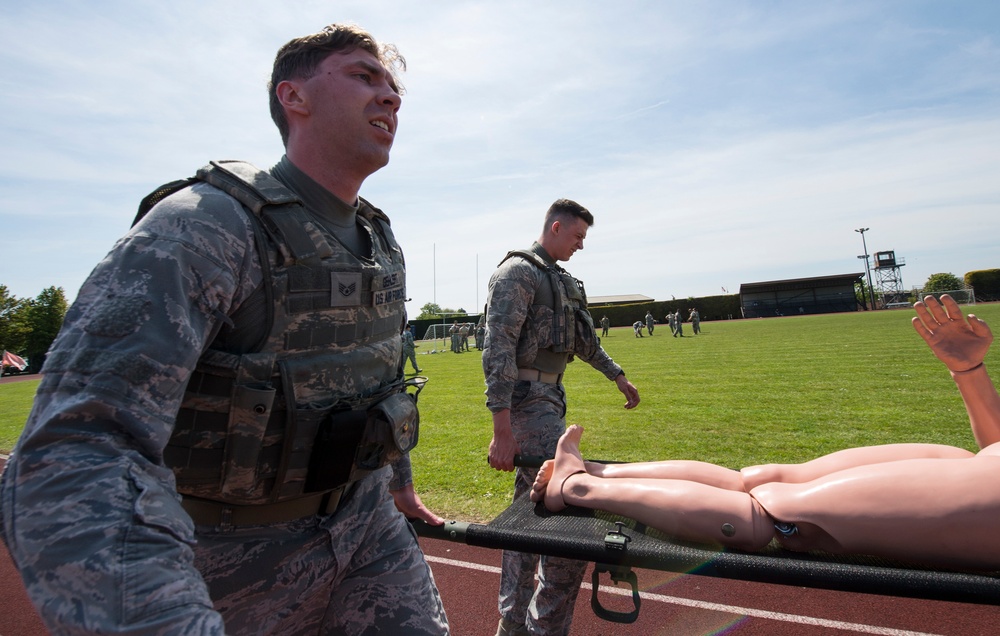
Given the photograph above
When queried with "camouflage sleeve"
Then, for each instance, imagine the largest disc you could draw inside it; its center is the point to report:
(92, 516)
(603, 363)
(402, 473)
(511, 290)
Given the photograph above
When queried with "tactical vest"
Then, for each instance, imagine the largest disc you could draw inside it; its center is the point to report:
(572, 327)
(318, 400)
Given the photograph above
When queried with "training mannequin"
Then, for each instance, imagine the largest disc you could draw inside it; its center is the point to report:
(929, 503)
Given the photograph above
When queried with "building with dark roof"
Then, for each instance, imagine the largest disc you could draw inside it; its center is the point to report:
(818, 295)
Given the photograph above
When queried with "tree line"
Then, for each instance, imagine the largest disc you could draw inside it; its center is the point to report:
(29, 325)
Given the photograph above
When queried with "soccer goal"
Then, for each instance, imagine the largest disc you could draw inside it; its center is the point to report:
(437, 332)
(966, 296)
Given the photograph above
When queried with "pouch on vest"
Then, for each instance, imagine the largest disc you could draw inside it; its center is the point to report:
(331, 462)
(573, 289)
(351, 444)
(393, 428)
(251, 399)
(586, 335)
(247, 423)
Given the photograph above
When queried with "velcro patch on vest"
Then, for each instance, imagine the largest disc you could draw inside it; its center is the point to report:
(345, 289)
(390, 289)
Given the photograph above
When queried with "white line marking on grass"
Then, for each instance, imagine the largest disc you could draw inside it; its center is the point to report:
(714, 607)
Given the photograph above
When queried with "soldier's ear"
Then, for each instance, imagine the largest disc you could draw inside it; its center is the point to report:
(292, 96)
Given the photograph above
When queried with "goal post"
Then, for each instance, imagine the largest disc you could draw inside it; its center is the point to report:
(437, 331)
(965, 296)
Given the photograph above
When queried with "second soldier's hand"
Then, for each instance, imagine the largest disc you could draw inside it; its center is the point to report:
(502, 446)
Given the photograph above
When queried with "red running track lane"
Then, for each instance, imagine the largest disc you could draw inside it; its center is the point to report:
(19, 617)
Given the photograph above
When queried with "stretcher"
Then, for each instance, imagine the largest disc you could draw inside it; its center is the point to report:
(617, 544)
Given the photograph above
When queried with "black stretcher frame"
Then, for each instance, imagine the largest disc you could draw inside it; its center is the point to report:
(616, 544)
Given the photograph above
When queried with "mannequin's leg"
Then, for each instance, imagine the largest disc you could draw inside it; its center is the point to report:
(681, 508)
(754, 476)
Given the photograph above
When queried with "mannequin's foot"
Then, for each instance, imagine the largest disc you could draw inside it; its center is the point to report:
(568, 462)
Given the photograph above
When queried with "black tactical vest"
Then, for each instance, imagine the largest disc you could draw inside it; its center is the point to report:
(315, 399)
(572, 326)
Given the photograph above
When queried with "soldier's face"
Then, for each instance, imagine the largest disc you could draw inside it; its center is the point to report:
(568, 237)
(353, 104)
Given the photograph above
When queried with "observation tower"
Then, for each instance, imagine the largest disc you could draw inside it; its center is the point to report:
(889, 279)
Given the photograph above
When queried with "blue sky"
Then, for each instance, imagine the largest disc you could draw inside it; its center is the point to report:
(716, 143)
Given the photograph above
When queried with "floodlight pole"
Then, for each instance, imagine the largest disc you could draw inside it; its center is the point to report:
(868, 271)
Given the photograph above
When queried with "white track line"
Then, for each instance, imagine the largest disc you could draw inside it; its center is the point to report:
(714, 607)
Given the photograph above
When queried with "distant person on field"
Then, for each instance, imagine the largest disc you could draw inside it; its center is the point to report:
(409, 349)
(481, 332)
(605, 325)
(637, 328)
(650, 322)
(463, 336)
(695, 319)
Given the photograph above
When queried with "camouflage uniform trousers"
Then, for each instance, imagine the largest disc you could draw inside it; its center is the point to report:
(358, 571)
(537, 418)
(410, 354)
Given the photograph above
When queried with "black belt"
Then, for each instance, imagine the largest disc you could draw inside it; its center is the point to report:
(205, 512)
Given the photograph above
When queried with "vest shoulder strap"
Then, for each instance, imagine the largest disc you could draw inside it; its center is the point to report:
(159, 194)
(279, 210)
(248, 184)
(531, 257)
(379, 220)
(371, 212)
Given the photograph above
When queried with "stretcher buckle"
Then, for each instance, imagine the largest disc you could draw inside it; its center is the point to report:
(616, 539)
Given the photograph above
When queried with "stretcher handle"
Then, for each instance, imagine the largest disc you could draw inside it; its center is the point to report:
(535, 461)
(529, 461)
(619, 574)
(456, 531)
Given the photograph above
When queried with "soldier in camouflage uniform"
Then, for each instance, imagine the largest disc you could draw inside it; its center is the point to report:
(409, 349)
(537, 321)
(463, 336)
(455, 332)
(219, 442)
(481, 332)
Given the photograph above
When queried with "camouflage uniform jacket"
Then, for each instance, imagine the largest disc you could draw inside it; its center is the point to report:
(88, 471)
(408, 345)
(519, 320)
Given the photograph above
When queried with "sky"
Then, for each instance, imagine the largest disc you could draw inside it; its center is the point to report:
(716, 143)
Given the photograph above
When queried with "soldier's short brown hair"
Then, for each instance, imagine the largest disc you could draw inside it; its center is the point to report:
(563, 208)
(299, 59)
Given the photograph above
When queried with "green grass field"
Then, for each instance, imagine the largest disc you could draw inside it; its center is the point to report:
(743, 392)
